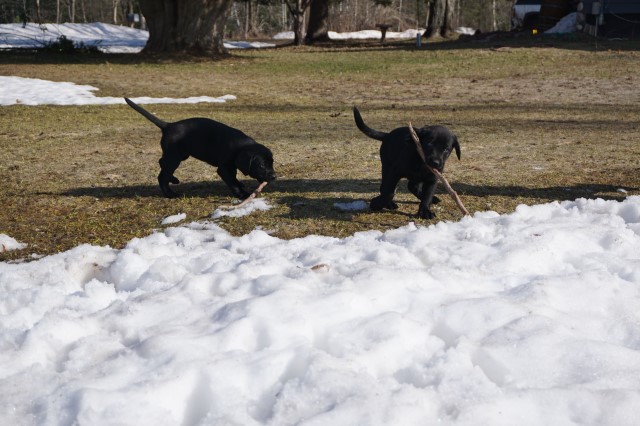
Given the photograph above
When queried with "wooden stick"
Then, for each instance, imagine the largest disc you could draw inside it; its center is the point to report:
(246, 200)
(441, 178)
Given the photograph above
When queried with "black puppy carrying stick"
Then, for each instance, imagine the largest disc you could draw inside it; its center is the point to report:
(399, 161)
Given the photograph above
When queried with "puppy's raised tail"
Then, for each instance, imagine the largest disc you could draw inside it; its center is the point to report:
(146, 114)
(374, 134)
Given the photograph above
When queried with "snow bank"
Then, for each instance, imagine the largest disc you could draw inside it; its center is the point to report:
(529, 318)
(107, 38)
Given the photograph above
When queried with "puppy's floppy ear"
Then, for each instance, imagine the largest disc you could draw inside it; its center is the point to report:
(456, 146)
(243, 162)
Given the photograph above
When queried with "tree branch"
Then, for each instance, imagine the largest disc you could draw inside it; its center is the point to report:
(246, 200)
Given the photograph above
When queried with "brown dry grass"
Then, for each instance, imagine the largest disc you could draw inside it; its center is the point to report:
(537, 122)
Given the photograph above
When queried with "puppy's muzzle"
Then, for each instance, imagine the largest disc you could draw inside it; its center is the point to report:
(270, 176)
(436, 164)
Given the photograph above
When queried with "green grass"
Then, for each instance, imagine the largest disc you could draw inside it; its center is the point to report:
(538, 120)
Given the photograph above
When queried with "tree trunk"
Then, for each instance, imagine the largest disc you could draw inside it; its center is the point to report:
(494, 26)
(247, 18)
(450, 17)
(131, 18)
(84, 11)
(318, 21)
(250, 21)
(191, 26)
(441, 18)
(297, 11)
(38, 17)
(115, 11)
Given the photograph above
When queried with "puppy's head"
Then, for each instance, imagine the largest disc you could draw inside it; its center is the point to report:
(256, 161)
(438, 142)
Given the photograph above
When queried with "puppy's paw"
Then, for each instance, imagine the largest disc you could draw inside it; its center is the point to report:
(377, 204)
(174, 180)
(392, 206)
(243, 195)
(426, 214)
(435, 200)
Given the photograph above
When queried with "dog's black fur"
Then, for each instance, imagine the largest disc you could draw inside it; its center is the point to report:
(400, 159)
(214, 143)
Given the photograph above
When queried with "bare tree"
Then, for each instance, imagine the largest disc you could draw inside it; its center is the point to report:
(193, 26)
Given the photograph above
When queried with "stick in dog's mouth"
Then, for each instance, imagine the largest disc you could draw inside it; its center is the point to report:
(248, 199)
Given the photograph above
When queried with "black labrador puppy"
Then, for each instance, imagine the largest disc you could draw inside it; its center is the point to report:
(400, 159)
(214, 143)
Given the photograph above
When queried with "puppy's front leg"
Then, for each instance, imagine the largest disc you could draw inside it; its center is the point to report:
(415, 187)
(428, 189)
(228, 175)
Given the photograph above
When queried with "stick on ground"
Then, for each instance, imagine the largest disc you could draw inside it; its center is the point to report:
(439, 175)
(246, 200)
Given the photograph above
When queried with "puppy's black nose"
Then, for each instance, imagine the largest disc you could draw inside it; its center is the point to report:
(271, 176)
(436, 164)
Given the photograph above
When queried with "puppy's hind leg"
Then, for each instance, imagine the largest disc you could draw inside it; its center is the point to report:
(167, 167)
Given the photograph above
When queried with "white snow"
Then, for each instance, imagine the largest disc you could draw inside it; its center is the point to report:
(247, 44)
(169, 220)
(107, 38)
(565, 25)
(358, 35)
(32, 91)
(352, 205)
(528, 318)
(466, 30)
(257, 204)
(8, 243)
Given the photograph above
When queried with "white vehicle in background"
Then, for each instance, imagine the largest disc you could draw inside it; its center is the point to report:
(525, 13)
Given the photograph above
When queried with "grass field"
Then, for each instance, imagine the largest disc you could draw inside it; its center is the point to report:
(543, 120)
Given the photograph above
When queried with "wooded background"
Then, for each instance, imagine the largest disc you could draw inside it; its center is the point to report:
(264, 18)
